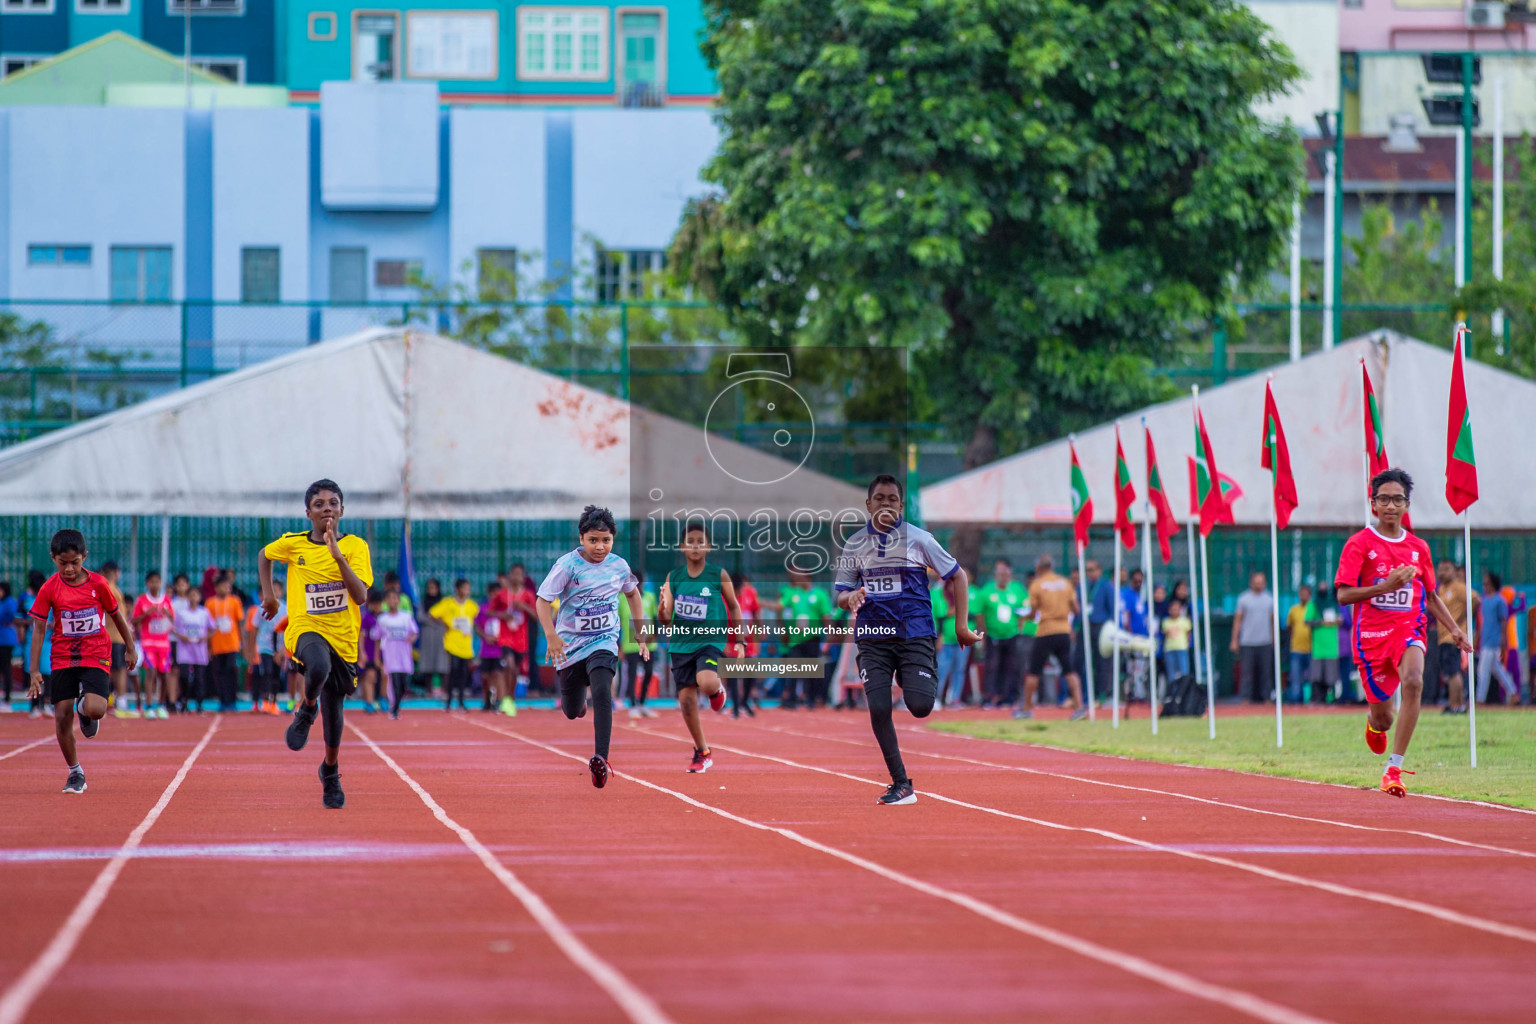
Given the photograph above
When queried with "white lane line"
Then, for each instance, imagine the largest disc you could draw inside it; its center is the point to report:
(1211, 768)
(1507, 931)
(1165, 792)
(23, 992)
(1235, 999)
(23, 750)
(637, 1006)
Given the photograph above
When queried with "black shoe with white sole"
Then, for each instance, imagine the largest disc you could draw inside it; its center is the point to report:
(88, 726)
(899, 793)
(76, 782)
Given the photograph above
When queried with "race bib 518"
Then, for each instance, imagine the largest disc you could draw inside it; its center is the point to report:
(888, 585)
(325, 598)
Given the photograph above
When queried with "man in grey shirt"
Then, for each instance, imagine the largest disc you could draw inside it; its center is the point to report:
(1253, 641)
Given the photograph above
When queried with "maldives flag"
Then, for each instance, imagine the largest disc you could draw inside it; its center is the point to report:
(1166, 525)
(1231, 490)
(1082, 505)
(1208, 491)
(1125, 494)
(1276, 457)
(1460, 463)
(1376, 458)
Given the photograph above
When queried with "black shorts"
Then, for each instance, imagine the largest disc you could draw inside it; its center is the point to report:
(1450, 660)
(686, 667)
(490, 664)
(1044, 648)
(578, 673)
(119, 656)
(343, 675)
(911, 662)
(73, 683)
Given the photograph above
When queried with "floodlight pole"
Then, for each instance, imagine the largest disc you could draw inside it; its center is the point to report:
(1466, 167)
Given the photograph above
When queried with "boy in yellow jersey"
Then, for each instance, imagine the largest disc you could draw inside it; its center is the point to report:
(329, 574)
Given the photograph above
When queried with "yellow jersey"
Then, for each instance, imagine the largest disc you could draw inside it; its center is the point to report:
(459, 617)
(318, 601)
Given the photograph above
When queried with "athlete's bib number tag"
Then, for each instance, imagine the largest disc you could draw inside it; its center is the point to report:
(493, 628)
(691, 606)
(883, 586)
(397, 633)
(597, 622)
(325, 598)
(224, 624)
(160, 625)
(1004, 613)
(80, 621)
(1399, 600)
(462, 624)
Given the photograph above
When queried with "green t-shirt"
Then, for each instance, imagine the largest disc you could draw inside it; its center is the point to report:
(1002, 610)
(1325, 635)
(804, 610)
(698, 610)
(943, 614)
(648, 602)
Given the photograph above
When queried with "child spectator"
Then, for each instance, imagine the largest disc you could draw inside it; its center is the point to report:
(224, 640)
(1176, 629)
(457, 614)
(395, 631)
(193, 626)
(368, 652)
(433, 667)
(488, 627)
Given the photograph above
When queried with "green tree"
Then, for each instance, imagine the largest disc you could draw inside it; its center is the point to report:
(1034, 196)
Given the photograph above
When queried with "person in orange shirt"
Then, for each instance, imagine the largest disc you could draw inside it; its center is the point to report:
(224, 641)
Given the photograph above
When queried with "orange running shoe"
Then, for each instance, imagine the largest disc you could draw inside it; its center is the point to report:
(1377, 741)
(1392, 782)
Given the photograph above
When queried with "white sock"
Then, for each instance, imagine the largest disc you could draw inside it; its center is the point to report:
(76, 768)
(1394, 760)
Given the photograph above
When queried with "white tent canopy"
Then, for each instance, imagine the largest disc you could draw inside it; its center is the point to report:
(383, 412)
(1319, 399)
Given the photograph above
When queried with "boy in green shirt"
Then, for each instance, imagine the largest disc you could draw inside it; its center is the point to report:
(700, 600)
(1001, 608)
(804, 610)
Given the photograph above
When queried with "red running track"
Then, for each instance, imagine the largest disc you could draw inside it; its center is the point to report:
(476, 875)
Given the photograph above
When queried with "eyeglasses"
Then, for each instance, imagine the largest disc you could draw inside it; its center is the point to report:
(1391, 500)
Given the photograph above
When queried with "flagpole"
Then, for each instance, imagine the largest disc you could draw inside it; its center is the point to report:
(1205, 606)
(1274, 576)
(1154, 625)
(1082, 598)
(1471, 674)
(1365, 453)
(1114, 699)
(1194, 604)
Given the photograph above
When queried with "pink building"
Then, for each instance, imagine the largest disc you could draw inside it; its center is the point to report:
(1485, 25)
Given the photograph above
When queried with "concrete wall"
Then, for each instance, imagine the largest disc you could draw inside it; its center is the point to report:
(497, 177)
(1310, 28)
(1392, 85)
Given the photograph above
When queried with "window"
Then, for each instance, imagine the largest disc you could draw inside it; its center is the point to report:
(58, 255)
(322, 26)
(11, 63)
(642, 57)
(102, 6)
(349, 275)
(621, 272)
(396, 273)
(26, 6)
(563, 43)
(459, 44)
(498, 270)
(373, 48)
(229, 68)
(259, 274)
(141, 274)
(205, 6)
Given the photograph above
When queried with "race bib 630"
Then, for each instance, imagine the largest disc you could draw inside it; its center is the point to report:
(1399, 600)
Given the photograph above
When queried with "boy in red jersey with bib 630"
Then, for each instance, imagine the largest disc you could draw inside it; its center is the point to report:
(1389, 574)
(79, 601)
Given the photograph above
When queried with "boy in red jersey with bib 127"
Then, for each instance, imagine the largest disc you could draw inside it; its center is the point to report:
(1389, 574)
(79, 601)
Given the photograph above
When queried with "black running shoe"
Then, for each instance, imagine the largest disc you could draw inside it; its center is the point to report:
(298, 729)
(88, 726)
(76, 782)
(600, 771)
(330, 778)
(899, 793)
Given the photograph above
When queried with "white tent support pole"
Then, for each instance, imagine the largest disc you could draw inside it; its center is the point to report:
(1328, 229)
(1365, 454)
(1466, 541)
(1210, 669)
(1114, 671)
(165, 550)
(405, 469)
(1498, 204)
(1194, 603)
(1082, 598)
(133, 550)
(1295, 280)
(1274, 604)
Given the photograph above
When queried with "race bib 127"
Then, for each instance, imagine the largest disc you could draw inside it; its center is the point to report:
(79, 621)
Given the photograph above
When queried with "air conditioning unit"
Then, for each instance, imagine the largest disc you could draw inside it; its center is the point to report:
(1485, 14)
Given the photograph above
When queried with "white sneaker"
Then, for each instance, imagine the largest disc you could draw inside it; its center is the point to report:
(648, 711)
(634, 712)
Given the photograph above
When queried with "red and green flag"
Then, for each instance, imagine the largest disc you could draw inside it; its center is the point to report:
(1125, 495)
(1376, 458)
(1276, 457)
(1209, 497)
(1166, 525)
(1460, 463)
(1082, 505)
